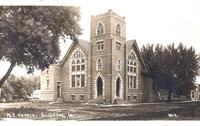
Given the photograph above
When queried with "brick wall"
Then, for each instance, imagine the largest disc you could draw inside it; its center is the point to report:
(67, 90)
(109, 74)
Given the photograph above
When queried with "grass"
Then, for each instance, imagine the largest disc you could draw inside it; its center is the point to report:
(62, 111)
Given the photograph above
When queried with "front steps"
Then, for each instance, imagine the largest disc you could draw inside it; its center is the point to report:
(100, 100)
(120, 101)
(59, 100)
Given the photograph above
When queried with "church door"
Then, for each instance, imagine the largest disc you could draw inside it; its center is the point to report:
(58, 91)
(99, 87)
(118, 87)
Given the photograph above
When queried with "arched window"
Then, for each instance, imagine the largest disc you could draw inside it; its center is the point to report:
(99, 64)
(118, 30)
(100, 29)
(73, 65)
(132, 70)
(78, 65)
(131, 62)
(82, 65)
(118, 65)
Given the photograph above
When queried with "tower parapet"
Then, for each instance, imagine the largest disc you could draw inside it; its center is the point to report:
(108, 13)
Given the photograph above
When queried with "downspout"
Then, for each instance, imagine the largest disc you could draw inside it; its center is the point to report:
(125, 71)
(111, 71)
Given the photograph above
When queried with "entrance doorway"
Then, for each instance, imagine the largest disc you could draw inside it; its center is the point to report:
(58, 89)
(118, 87)
(99, 87)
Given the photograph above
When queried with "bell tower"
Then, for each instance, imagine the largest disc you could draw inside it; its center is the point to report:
(108, 36)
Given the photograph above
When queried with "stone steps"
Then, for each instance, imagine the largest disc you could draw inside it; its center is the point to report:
(120, 101)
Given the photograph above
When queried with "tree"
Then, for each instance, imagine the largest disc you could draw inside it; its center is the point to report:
(19, 87)
(29, 35)
(188, 69)
(172, 69)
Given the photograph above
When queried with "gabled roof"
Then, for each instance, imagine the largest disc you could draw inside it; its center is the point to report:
(85, 45)
(137, 50)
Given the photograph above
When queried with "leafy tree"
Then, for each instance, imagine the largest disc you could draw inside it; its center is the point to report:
(172, 69)
(19, 87)
(29, 35)
(188, 69)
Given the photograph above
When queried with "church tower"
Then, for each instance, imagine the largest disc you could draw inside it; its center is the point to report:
(108, 36)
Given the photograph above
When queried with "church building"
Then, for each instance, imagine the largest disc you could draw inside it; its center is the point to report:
(108, 67)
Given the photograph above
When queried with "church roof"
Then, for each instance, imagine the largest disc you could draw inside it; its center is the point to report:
(137, 50)
(83, 43)
(86, 46)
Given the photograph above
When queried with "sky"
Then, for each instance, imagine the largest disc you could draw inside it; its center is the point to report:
(147, 21)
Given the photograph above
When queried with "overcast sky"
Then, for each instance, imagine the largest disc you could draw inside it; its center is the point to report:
(147, 21)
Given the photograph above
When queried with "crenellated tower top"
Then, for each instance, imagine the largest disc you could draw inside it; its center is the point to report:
(110, 12)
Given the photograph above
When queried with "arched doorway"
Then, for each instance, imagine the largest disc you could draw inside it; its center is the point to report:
(118, 82)
(99, 87)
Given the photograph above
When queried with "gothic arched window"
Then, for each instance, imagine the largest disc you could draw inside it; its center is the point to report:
(100, 29)
(132, 70)
(99, 64)
(118, 65)
(118, 30)
(78, 65)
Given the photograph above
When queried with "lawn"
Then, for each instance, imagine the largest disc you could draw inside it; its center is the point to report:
(78, 111)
